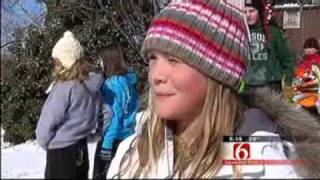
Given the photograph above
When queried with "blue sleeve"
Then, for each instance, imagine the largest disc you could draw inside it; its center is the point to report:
(115, 94)
(111, 91)
(52, 115)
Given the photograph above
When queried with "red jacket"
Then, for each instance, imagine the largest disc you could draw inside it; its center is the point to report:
(306, 64)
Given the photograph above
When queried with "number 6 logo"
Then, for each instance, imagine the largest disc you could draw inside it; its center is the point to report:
(241, 151)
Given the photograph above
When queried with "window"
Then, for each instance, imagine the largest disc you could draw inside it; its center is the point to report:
(316, 2)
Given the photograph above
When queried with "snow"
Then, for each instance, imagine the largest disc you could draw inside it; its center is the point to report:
(28, 160)
(3, 144)
(292, 5)
(287, 5)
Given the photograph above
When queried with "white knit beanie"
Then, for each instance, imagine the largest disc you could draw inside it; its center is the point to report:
(68, 50)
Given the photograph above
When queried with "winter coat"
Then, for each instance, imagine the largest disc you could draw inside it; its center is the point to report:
(305, 65)
(260, 151)
(299, 123)
(120, 93)
(269, 62)
(69, 113)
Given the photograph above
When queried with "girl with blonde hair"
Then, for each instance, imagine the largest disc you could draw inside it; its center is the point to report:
(69, 113)
(196, 52)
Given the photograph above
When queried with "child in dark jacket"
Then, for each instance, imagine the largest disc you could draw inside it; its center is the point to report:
(119, 91)
(69, 113)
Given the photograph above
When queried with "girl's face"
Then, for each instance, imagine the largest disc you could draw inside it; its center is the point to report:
(309, 51)
(178, 90)
(57, 64)
(252, 15)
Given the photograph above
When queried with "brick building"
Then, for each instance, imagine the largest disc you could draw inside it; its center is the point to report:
(299, 22)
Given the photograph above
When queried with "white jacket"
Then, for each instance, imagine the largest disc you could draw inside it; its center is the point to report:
(259, 150)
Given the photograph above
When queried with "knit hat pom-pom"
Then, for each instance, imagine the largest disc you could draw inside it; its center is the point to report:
(68, 50)
(68, 34)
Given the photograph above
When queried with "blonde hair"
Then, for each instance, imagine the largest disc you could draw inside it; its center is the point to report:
(78, 71)
(218, 115)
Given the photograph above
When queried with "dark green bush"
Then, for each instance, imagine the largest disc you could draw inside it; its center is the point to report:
(23, 90)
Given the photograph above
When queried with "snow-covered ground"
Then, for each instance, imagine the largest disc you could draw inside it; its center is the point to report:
(28, 160)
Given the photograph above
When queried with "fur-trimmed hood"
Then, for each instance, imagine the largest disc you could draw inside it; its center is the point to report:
(300, 126)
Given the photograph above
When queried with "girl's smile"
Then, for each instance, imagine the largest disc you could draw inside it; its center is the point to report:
(178, 90)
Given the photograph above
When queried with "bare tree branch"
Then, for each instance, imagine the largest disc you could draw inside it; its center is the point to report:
(6, 44)
(15, 15)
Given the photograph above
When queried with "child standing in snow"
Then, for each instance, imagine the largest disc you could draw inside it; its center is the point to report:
(69, 113)
(119, 91)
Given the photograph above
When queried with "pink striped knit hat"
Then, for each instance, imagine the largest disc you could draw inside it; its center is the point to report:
(210, 35)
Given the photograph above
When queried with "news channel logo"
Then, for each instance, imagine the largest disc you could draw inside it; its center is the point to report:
(241, 151)
(244, 148)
